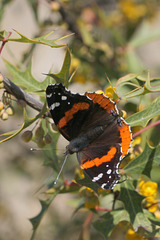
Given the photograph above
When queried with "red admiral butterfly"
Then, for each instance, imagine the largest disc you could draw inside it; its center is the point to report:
(99, 136)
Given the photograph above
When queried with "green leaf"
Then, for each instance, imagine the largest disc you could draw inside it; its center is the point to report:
(39, 40)
(127, 78)
(152, 218)
(138, 84)
(26, 80)
(141, 118)
(109, 220)
(144, 163)
(155, 222)
(133, 204)
(27, 122)
(135, 93)
(63, 75)
(155, 88)
(37, 219)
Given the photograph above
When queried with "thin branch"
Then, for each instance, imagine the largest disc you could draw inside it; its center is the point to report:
(97, 208)
(4, 40)
(146, 128)
(20, 94)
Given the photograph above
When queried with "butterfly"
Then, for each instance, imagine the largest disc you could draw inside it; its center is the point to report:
(94, 129)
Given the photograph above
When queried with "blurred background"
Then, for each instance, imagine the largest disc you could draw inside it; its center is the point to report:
(109, 36)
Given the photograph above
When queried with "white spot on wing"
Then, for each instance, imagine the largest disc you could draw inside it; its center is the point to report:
(97, 178)
(57, 104)
(103, 185)
(109, 171)
(49, 95)
(63, 97)
(54, 105)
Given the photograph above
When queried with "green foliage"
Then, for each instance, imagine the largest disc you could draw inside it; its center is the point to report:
(26, 80)
(39, 40)
(63, 75)
(26, 123)
(144, 163)
(44, 207)
(133, 205)
(142, 118)
(140, 85)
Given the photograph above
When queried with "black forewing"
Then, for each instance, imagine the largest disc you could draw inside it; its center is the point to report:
(83, 120)
(66, 103)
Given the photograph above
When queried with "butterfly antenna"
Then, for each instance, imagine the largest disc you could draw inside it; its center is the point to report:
(65, 159)
(44, 149)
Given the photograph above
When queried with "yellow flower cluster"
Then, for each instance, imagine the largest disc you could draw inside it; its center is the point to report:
(149, 190)
(110, 92)
(132, 11)
(132, 235)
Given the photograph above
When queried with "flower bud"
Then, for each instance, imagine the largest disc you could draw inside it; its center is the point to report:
(4, 115)
(40, 142)
(10, 110)
(48, 139)
(39, 132)
(27, 136)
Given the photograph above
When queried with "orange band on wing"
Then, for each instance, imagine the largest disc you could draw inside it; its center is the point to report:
(98, 161)
(126, 137)
(69, 114)
(103, 101)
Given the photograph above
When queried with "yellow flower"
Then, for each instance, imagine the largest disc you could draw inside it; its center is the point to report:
(148, 189)
(151, 204)
(124, 114)
(157, 214)
(110, 91)
(75, 63)
(152, 207)
(137, 141)
(132, 235)
(99, 92)
(132, 11)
